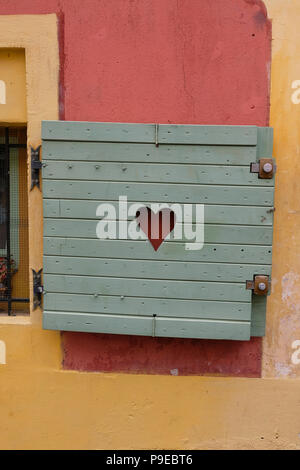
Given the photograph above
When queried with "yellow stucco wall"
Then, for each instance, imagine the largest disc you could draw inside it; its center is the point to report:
(12, 73)
(283, 316)
(42, 406)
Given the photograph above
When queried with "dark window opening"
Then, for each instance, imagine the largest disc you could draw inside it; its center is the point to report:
(14, 262)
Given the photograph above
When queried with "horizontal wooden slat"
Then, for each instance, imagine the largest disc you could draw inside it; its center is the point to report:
(118, 286)
(148, 153)
(172, 251)
(172, 193)
(207, 135)
(91, 323)
(98, 131)
(233, 234)
(154, 173)
(124, 132)
(208, 329)
(149, 306)
(213, 214)
(151, 269)
(143, 326)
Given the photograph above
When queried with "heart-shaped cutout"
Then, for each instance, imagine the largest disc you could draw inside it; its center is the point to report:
(156, 226)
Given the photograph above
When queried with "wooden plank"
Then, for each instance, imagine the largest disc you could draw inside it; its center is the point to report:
(259, 303)
(143, 326)
(258, 315)
(168, 251)
(147, 269)
(117, 286)
(98, 131)
(147, 306)
(113, 324)
(154, 173)
(213, 214)
(198, 308)
(206, 135)
(148, 153)
(233, 234)
(129, 132)
(190, 328)
(172, 193)
(264, 142)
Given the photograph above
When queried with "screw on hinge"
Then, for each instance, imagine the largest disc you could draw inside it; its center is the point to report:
(36, 165)
(268, 167)
(262, 286)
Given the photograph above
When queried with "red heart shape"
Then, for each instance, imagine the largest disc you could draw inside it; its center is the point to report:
(156, 226)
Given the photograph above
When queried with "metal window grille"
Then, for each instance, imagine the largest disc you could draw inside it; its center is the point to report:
(14, 269)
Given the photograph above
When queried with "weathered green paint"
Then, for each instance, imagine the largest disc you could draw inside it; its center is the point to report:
(170, 193)
(207, 135)
(259, 303)
(154, 173)
(150, 288)
(240, 234)
(209, 329)
(124, 286)
(149, 133)
(143, 326)
(221, 214)
(160, 306)
(148, 153)
(258, 315)
(98, 131)
(139, 269)
(172, 251)
(264, 142)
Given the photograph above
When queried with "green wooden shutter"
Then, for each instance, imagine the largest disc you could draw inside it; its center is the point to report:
(124, 286)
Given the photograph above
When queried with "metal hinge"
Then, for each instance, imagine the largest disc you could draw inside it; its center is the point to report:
(260, 284)
(36, 165)
(156, 135)
(38, 288)
(265, 168)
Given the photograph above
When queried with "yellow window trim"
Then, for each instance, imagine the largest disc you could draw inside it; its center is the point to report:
(38, 36)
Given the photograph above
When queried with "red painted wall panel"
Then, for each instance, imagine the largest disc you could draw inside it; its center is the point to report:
(176, 61)
(137, 354)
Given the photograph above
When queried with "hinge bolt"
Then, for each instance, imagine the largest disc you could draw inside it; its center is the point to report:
(268, 167)
(262, 286)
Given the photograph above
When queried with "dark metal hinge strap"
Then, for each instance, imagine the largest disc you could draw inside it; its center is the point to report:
(156, 135)
(38, 288)
(36, 166)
